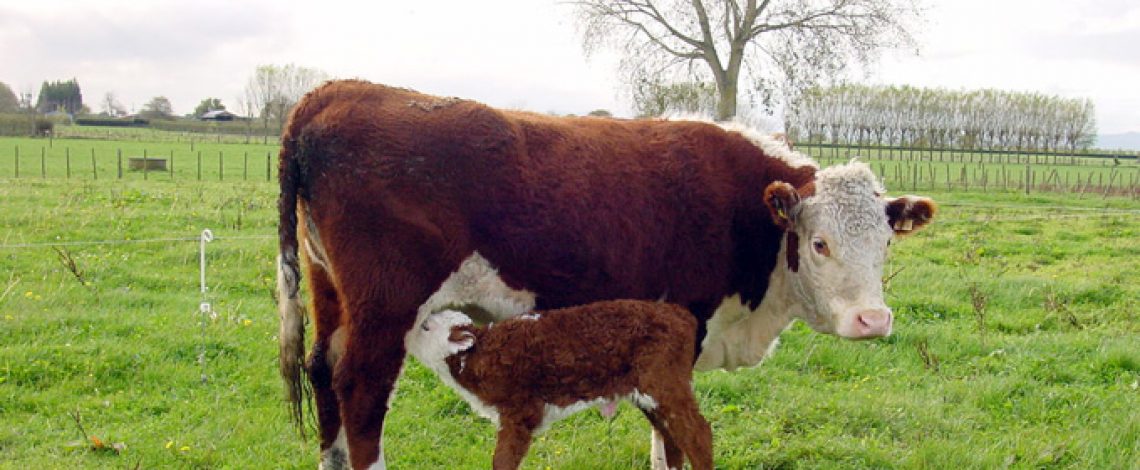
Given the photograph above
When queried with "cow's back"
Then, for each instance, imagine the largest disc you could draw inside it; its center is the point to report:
(574, 209)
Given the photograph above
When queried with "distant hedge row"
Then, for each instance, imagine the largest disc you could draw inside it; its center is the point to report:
(237, 127)
(23, 125)
(16, 125)
(111, 122)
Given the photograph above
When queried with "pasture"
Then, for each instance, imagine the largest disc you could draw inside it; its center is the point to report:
(1015, 342)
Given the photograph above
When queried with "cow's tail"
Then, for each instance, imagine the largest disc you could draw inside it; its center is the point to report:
(291, 337)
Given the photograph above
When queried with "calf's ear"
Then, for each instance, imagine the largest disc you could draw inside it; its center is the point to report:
(907, 214)
(460, 340)
(781, 199)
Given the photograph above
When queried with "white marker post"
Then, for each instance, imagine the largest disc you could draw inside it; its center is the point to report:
(204, 308)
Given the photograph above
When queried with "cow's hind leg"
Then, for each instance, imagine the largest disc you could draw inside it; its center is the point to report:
(381, 287)
(328, 346)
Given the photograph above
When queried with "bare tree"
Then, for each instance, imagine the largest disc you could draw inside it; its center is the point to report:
(777, 47)
(110, 105)
(273, 90)
(260, 90)
(247, 110)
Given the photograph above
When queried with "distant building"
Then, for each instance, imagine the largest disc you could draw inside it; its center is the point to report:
(217, 115)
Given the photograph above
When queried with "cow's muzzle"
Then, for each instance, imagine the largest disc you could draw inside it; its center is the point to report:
(870, 323)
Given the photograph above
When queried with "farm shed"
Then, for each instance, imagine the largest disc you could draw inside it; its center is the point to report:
(217, 115)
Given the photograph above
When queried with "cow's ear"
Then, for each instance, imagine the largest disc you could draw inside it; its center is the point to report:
(461, 339)
(781, 199)
(907, 214)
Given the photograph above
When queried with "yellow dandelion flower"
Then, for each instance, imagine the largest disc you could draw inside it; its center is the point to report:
(169, 444)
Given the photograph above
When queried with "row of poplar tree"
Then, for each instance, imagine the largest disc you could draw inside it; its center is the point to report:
(907, 116)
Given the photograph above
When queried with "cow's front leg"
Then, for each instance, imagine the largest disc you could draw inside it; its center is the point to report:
(380, 304)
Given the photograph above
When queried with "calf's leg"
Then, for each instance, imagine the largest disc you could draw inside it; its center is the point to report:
(688, 429)
(672, 457)
(513, 442)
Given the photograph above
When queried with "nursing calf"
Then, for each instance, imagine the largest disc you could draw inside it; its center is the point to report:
(528, 372)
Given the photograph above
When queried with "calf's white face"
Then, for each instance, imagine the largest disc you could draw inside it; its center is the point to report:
(837, 230)
(434, 340)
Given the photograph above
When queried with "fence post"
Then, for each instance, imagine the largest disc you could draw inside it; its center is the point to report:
(1028, 171)
(199, 165)
(245, 166)
(67, 155)
(146, 165)
(43, 162)
(120, 154)
(221, 159)
(171, 164)
(267, 169)
(1111, 179)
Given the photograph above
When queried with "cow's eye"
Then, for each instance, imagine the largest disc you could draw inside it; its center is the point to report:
(820, 247)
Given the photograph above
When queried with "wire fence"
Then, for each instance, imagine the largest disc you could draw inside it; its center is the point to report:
(965, 171)
(898, 168)
(190, 161)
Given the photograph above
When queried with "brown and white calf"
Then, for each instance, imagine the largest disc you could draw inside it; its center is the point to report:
(530, 371)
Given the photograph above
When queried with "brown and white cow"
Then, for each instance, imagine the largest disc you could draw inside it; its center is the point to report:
(405, 204)
(529, 371)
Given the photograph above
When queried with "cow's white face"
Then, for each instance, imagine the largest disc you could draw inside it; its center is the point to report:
(837, 230)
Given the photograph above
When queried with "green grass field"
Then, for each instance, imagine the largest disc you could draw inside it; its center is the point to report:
(1015, 346)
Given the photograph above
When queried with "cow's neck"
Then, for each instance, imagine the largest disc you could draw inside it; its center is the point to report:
(759, 240)
(741, 337)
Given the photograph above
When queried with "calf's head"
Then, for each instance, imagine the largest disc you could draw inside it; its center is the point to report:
(442, 334)
(836, 232)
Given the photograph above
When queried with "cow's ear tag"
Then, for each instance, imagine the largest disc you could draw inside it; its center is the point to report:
(907, 214)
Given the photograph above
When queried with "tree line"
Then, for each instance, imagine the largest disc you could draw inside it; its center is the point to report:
(935, 117)
(269, 94)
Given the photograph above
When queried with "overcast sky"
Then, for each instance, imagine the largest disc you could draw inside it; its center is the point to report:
(520, 53)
